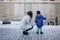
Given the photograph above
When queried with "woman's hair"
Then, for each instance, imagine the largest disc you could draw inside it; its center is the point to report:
(38, 12)
(30, 13)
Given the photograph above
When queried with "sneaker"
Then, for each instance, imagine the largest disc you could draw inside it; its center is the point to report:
(37, 32)
(25, 33)
(41, 32)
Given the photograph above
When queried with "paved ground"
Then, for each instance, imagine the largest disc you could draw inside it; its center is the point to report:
(13, 32)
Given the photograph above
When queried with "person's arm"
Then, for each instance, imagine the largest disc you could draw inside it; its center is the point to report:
(44, 17)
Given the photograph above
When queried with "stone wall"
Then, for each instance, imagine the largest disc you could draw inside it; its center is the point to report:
(9, 11)
(17, 11)
(2, 11)
(57, 0)
(57, 12)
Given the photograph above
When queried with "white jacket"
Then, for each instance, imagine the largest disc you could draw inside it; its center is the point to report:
(26, 22)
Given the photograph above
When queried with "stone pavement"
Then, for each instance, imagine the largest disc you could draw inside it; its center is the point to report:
(13, 32)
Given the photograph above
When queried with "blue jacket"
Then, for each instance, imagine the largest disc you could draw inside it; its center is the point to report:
(39, 20)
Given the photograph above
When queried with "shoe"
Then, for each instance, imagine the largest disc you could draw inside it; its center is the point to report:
(25, 33)
(41, 32)
(37, 32)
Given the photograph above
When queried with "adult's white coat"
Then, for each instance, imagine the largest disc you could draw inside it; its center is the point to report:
(26, 22)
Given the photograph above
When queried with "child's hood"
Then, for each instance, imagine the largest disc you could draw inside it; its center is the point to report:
(39, 16)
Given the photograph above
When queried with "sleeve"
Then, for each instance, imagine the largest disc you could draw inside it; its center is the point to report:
(43, 17)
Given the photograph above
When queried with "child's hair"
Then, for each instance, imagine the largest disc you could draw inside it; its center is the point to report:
(38, 12)
(30, 13)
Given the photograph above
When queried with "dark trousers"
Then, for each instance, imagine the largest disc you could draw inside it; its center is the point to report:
(26, 31)
(29, 28)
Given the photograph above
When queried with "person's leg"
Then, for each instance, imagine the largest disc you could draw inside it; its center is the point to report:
(40, 29)
(29, 28)
(37, 31)
(25, 32)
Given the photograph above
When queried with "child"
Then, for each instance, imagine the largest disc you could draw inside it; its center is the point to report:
(39, 22)
(26, 23)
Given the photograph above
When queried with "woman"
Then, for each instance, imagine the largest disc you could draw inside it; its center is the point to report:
(27, 23)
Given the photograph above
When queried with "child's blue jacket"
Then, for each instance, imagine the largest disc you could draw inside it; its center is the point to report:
(39, 20)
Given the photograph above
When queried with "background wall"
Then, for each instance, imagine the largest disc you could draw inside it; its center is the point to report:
(17, 11)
